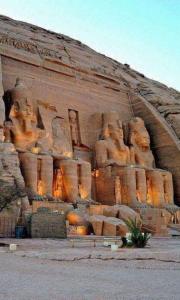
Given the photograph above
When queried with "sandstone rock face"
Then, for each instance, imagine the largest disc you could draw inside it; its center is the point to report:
(127, 213)
(108, 226)
(110, 211)
(2, 107)
(96, 209)
(86, 126)
(114, 227)
(76, 218)
(45, 224)
(10, 171)
(155, 221)
(97, 222)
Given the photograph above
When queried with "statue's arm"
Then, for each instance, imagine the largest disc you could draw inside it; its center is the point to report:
(128, 156)
(101, 154)
(132, 156)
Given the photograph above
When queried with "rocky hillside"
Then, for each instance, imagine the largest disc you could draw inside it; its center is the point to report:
(156, 103)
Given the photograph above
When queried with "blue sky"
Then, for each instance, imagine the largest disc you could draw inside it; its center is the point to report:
(142, 33)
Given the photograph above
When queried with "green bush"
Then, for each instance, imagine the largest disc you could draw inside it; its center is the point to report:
(136, 238)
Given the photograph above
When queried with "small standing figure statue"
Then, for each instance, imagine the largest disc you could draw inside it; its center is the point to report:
(74, 128)
(58, 184)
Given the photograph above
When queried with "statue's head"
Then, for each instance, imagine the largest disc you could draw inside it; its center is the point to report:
(113, 131)
(112, 126)
(57, 128)
(138, 134)
(61, 144)
(72, 115)
(20, 93)
(22, 107)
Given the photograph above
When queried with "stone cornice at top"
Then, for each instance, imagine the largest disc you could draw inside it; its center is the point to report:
(62, 49)
(63, 54)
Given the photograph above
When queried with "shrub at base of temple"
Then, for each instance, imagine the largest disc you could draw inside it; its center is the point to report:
(135, 238)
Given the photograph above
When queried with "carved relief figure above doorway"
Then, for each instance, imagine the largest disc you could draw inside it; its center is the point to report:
(74, 127)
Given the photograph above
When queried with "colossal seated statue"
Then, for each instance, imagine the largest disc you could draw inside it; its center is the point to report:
(129, 176)
(72, 177)
(23, 118)
(111, 150)
(45, 157)
(159, 182)
(22, 130)
(114, 177)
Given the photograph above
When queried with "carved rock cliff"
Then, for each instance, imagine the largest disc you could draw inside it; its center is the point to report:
(64, 74)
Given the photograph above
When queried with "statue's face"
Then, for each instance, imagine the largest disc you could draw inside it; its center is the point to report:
(142, 138)
(116, 132)
(16, 107)
(29, 111)
(56, 128)
(72, 115)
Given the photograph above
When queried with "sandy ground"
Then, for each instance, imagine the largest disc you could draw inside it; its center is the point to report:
(51, 269)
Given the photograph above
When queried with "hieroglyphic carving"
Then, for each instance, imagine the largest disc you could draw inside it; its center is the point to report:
(28, 46)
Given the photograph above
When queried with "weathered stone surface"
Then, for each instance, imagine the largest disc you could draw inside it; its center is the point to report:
(10, 171)
(2, 107)
(45, 224)
(96, 209)
(114, 227)
(155, 221)
(126, 213)
(97, 222)
(110, 211)
(75, 217)
(83, 130)
(61, 207)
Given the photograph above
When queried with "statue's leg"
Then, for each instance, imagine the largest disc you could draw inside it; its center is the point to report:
(70, 179)
(128, 185)
(156, 187)
(47, 173)
(117, 190)
(141, 188)
(168, 188)
(85, 180)
(28, 163)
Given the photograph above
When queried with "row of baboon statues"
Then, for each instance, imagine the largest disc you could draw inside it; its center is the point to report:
(121, 173)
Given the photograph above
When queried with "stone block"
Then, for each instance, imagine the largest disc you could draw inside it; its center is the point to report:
(97, 222)
(125, 213)
(45, 224)
(110, 211)
(114, 227)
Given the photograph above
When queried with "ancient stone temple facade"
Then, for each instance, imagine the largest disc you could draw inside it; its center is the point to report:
(83, 126)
